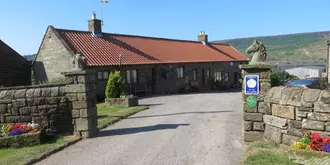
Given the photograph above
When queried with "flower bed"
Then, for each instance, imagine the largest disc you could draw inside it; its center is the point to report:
(129, 101)
(313, 142)
(19, 135)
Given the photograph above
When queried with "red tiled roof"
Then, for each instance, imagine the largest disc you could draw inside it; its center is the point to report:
(105, 50)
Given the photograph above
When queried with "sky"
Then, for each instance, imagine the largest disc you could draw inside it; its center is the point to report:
(24, 22)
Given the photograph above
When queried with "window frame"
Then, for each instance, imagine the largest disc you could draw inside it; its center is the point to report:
(226, 77)
(178, 72)
(101, 75)
(128, 79)
(216, 75)
(208, 73)
(195, 75)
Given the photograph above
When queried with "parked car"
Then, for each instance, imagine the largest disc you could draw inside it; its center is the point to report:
(307, 83)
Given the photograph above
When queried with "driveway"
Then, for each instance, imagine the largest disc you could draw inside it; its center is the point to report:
(193, 129)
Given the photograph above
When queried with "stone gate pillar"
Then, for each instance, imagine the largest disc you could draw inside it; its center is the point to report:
(253, 125)
(80, 90)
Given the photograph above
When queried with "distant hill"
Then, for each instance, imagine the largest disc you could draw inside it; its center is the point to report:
(302, 46)
(30, 57)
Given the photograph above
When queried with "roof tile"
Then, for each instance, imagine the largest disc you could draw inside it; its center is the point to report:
(105, 50)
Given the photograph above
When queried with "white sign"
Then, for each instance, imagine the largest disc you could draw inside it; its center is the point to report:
(251, 84)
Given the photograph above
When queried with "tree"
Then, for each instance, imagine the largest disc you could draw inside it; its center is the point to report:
(281, 77)
(115, 86)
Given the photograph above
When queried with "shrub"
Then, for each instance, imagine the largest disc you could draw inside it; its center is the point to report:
(115, 86)
(281, 77)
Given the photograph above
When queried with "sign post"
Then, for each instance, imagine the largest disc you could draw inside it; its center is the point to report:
(251, 84)
(252, 89)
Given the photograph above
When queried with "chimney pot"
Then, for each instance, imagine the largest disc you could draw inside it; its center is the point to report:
(203, 37)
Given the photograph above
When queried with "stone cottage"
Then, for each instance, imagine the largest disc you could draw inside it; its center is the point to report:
(15, 70)
(148, 64)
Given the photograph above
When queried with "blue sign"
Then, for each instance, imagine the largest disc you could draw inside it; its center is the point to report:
(251, 84)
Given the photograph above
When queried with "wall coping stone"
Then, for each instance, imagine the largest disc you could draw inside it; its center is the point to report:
(82, 72)
(31, 87)
(257, 66)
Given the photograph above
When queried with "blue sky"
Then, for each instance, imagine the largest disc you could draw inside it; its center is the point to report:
(23, 22)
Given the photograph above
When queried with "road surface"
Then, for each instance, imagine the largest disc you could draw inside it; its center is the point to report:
(192, 129)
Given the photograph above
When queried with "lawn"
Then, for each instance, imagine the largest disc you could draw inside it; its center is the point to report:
(270, 153)
(265, 153)
(20, 156)
(107, 115)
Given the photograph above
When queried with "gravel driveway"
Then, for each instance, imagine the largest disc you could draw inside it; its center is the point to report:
(193, 129)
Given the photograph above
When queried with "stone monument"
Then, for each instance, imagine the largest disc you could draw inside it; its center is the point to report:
(253, 104)
(259, 50)
(79, 62)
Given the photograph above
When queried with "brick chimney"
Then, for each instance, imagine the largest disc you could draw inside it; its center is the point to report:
(95, 25)
(203, 37)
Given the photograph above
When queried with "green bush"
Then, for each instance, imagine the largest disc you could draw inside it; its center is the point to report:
(115, 86)
(281, 77)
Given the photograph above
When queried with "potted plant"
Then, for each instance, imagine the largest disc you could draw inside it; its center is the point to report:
(115, 92)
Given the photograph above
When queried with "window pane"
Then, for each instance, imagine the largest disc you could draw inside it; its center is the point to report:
(180, 72)
(128, 76)
(134, 76)
(207, 73)
(105, 75)
(195, 75)
(131, 76)
(99, 75)
(217, 76)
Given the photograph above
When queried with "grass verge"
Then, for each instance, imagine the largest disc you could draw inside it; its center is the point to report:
(29, 155)
(266, 153)
(108, 115)
(270, 153)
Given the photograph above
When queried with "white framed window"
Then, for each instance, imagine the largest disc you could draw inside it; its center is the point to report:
(226, 78)
(207, 73)
(131, 76)
(99, 75)
(195, 75)
(103, 75)
(217, 76)
(179, 72)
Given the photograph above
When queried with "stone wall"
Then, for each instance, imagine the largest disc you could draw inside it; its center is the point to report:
(284, 114)
(253, 124)
(46, 105)
(291, 112)
(63, 108)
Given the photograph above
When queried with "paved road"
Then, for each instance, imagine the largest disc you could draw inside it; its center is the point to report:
(194, 129)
